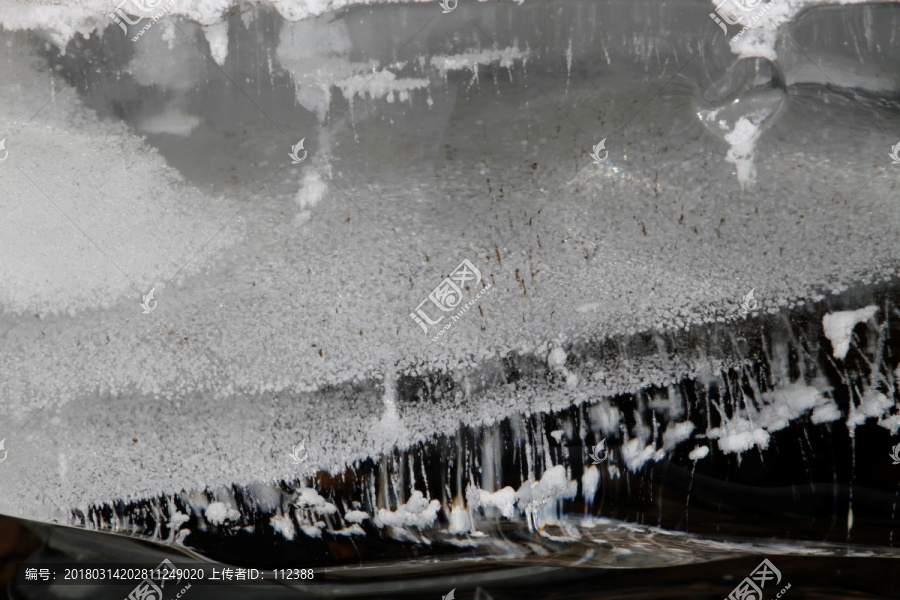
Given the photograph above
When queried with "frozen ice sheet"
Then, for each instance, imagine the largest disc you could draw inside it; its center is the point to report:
(311, 285)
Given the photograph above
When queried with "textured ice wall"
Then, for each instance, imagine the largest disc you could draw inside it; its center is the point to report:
(62, 21)
(111, 221)
(762, 19)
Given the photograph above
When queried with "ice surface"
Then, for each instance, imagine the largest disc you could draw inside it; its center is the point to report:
(120, 219)
(305, 291)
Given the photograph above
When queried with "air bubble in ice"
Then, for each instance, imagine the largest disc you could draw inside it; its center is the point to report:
(740, 106)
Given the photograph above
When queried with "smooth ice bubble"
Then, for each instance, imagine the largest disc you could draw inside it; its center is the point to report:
(740, 106)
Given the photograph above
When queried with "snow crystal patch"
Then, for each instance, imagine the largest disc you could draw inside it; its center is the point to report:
(348, 531)
(875, 404)
(635, 455)
(283, 525)
(590, 480)
(743, 140)
(784, 405)
(677, 433)
(826, 413)
(891, 423)
(760, 37)
(554, 485)
(606, 416)
(557, 358)
(178, 519)
(388, 430)
(217, 37)
(699, 452)
(310, 499)
(470, 61)
(738, 436)
(356, 516)
(839, 328)
(504, 500)
(417, 512)
(217, 513)
(382, 85)
(312, 190)
(312, 530)
(459, 520)
(531, 497)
